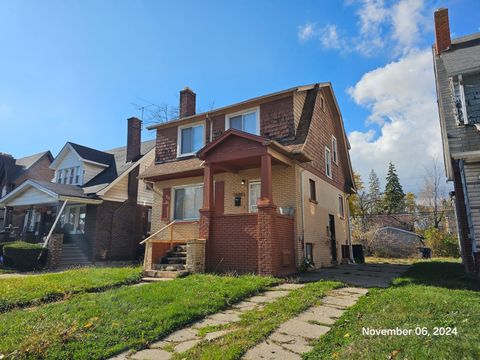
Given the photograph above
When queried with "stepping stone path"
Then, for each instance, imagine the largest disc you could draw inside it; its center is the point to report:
(184, 339)
(293, 337)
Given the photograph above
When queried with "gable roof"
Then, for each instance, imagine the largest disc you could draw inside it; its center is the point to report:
(58, 192)
(188, 119)
(93, 155)
(13, 168)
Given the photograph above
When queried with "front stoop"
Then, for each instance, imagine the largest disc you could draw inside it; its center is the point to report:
(171, 266)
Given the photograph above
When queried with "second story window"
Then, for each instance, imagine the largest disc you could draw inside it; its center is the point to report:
(334, 149)
(247, 121)
(190, 139)
(328, 162)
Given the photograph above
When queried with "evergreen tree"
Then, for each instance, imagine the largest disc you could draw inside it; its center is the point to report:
(394, 197)
(375, 197)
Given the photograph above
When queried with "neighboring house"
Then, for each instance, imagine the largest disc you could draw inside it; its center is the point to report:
(394, 242)
(102, 209)
(265, 182)
(400, 221)
(457, 75)
(14, 172)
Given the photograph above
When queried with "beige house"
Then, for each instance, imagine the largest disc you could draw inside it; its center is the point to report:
(264, 183)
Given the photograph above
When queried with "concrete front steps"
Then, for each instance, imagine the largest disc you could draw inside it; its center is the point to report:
(73, 255)
(171, 266)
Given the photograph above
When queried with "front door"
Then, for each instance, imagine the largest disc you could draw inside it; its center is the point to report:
(253, 195)
(333, 240)
(73, 222)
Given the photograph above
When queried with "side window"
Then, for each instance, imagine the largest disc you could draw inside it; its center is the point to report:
(328, 162)
(341, 209)
(334, 149)
(313, 190)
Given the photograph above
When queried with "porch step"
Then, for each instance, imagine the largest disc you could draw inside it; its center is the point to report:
(159, 274)
(73, 255)
(169, 267)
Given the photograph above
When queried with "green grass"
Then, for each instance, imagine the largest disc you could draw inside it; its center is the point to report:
(431, 294)
(257, 325)
(34, 289)
(96, 326)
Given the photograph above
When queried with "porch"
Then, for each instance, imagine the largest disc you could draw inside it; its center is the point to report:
(246, 216)
(42, 211)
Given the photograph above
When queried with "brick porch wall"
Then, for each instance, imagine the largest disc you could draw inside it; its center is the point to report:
(232, 245)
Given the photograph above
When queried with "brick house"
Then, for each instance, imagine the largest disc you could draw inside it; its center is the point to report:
(457, 75)
(264, 183)
(93, 198)
(13, 172)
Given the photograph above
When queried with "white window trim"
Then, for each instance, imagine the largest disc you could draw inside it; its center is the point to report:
(251, 182)
(326, 167)
(334, 150)
(172, 202)
(255, 109)
(179, 137)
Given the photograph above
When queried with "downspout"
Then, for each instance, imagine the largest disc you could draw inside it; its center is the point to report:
(349, 236)
(302, 211)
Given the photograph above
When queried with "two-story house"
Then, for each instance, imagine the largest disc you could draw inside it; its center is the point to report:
(264, 182)
(13, 172)
(457, 76)
(94, 198)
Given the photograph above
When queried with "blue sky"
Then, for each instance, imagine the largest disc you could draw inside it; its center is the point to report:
(70, 70)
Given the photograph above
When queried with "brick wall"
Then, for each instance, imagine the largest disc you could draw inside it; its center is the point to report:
(114, 229)
(232, 245)
(39, 171)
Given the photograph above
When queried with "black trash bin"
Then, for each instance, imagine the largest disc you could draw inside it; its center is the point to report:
(358, 255)
(426, 252)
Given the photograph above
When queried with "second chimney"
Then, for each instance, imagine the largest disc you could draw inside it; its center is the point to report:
(187, 102)
(442, 31)
(134, 133)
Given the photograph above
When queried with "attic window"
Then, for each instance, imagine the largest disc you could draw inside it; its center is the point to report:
(334, 149)
(322, 103)
(328, 162)
(458, 98)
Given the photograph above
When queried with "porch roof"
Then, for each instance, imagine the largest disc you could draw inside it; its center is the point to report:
(173, 169)
(36, 192)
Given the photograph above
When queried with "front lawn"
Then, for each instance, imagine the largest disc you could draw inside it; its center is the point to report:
(96, 326)
(431, 294)
(34, 289)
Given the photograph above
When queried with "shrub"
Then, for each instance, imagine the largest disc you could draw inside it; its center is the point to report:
(441, 243)
(25, 256)
(6, 262)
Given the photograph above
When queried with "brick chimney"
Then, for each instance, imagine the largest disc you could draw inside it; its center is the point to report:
(187, 102)
(134, 133)
(442, 31)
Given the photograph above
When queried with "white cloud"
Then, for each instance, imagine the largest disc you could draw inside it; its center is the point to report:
(330, 39)
(306, 32)
(402, 103)
(400, 26)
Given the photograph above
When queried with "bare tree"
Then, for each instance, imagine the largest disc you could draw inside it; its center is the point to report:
(433, 195)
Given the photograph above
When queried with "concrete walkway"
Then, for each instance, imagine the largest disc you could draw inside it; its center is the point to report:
(363, 275)
(184, 339)
(293, 337)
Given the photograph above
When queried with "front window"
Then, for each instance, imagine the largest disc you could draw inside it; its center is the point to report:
(191, 139)
(247, 121)
(188, 201)
(328, 162)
